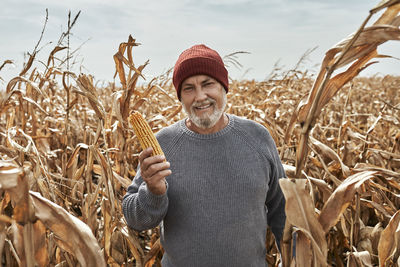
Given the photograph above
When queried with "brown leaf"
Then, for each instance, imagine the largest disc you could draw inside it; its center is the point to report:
(375, 236)
(18, 242)
(53, 52)
(28, 65)
(74, 157)
(301, 214)
(5, 62)
(151, 255)
(134, 245)
(326, 87)
(369, 39)
(131, 88)
(108, 228)
(106, 173)
(379, 208)
(22, 212)
(341, 198)
(305, 105)
(289, 170)
(41, 252)
(35, 104)
(85, 83)
(377, 34)
(89, 211)
(118, 247)
(19, 79)
(130, 44)
(72, 231)
(123, 181)
(301, 152)
(304, 255)
(323, 187)
(119, 68)
(328, 152)
(117, 104)
(334, 85)
(3, 232)
(139, 103)
(362, 258)
(389, 238)
(9, 174)
(362, 167)
(393, 7)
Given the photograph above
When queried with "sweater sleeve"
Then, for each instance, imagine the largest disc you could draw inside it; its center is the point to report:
(275, 201)
(142, 209)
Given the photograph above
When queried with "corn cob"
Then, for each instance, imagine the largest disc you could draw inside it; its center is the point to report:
(144, 133)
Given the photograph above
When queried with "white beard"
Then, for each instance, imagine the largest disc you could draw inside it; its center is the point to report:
(206, 122)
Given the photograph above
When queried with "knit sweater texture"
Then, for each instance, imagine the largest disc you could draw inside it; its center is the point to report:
(221, 196)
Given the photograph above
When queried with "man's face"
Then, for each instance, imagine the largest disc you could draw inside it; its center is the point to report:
(203, 99)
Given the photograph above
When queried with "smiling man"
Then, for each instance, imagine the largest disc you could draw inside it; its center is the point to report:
(218, 190)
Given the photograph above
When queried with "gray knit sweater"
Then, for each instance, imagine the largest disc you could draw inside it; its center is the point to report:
(221, 195)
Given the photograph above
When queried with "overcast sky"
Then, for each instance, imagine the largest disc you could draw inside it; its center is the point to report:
(270, 30)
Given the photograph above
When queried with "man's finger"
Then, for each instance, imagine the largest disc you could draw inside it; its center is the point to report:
(145, 153)
(162, 174)
(149, 161)
(150, 170)
(156, 167)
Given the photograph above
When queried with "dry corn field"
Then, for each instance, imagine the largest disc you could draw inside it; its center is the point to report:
(68, 154)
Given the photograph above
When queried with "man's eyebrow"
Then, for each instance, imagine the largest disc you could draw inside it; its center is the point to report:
(187, 84)
(206, 80)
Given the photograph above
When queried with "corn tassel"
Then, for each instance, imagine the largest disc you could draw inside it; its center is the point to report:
(144, 133)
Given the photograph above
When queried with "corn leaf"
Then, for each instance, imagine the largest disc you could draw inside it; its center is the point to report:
(75, 234)
(389, 238)
(301, 214)
(341, 198)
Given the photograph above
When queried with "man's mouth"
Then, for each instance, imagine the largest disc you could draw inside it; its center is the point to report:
(203, 106)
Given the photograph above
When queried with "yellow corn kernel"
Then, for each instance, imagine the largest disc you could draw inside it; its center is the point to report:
(144, 133)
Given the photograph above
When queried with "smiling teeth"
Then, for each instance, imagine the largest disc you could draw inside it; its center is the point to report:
(204, 107)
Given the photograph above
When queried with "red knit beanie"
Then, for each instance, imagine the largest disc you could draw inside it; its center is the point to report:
(199, 59)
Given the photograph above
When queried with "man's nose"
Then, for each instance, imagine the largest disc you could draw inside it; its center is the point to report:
(200, 94)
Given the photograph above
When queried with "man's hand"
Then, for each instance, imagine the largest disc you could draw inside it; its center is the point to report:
(154, 170)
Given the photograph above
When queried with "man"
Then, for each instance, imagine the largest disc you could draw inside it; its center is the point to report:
(218, 189)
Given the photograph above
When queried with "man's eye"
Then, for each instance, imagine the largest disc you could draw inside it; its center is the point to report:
(187, 88)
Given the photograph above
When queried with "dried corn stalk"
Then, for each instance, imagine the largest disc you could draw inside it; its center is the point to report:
(358, 48)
